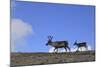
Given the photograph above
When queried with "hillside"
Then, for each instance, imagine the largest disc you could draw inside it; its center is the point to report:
(25, 59)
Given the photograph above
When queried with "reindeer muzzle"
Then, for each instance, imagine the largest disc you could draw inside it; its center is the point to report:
(46, 44)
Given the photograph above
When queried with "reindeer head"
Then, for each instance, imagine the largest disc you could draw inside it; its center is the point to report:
(49, 40)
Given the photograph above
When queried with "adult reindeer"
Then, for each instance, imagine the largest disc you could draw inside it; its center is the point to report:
(57, 44)
(80, 45)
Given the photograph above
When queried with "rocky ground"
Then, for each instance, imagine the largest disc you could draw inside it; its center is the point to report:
(28, 59)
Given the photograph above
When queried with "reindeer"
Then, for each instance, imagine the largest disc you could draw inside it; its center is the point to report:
(57, 44)
(80, 45)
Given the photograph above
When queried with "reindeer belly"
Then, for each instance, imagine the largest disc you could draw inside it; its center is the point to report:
(58, 44)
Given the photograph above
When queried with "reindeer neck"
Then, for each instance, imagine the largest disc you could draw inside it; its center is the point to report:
(50, 41)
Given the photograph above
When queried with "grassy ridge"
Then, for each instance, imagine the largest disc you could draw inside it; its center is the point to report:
(24, 59)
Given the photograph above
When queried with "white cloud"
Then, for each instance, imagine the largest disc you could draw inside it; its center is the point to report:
(51, 50)
(89, 48)
(72, 49)
(19, 30)
(81, 49)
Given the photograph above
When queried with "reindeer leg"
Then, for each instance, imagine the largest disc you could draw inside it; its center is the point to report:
(65, 49)
(54, 50)
(81, 48)
(86, 48)
(78, 49)
(68, 49)
(57, 50)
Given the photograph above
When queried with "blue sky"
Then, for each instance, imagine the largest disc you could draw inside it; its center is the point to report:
(62, 21)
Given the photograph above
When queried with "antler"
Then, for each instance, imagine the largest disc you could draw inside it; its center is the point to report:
(50, 37)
